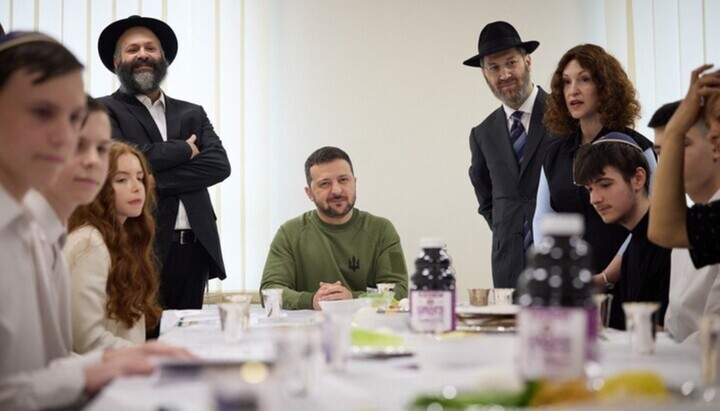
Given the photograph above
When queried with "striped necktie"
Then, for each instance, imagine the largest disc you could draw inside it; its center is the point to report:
(518, 136)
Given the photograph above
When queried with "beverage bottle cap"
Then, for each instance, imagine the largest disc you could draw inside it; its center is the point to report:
(432, 242)
(565, 224)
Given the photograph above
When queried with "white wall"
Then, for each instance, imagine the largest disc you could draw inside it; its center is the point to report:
(384, 80)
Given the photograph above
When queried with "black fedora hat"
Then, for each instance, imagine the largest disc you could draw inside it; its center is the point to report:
(498, 36)
(109, 38)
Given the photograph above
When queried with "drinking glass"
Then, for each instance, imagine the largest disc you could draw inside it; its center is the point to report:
(502, 296)
(640, 326)
(272, 298)
(234, 317)
(479, 296)
(300, 359)
(336, 340)
(709, 339)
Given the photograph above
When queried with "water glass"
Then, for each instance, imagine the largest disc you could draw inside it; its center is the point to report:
(603, 302)
(640, 326)
(502, 296)
(234, 317)
(272, 298)
(336, 340)
(387, 289)
(709, 339)
(300, 359)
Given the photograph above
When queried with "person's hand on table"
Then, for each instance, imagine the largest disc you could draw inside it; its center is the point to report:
(139, 360)
(330, 292)
(150, 349)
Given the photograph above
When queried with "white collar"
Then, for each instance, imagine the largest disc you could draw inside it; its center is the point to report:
(715, 196)
(148, 103)
(11, 209)
(45, 215)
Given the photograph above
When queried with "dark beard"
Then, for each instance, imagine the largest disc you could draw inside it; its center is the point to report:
(328, 211)
(142, 83)
(516, 99)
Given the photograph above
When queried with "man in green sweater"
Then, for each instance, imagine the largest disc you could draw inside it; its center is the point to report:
(336, 251)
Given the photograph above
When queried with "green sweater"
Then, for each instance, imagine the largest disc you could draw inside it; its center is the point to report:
(360, 253)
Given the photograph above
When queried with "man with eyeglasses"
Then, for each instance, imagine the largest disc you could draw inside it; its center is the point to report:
(508, 148)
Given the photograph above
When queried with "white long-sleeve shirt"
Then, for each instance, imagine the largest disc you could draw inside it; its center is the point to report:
(694, 292)
(36, 369)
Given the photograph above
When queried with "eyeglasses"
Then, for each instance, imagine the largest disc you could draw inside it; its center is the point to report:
(494, 69)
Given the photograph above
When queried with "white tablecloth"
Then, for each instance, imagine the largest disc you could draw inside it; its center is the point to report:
(385, 384)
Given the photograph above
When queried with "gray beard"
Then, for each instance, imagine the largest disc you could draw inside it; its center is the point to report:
(141, 83)
(146, 81)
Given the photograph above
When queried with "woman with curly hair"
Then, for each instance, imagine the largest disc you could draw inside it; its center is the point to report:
(110, 255)
(591, 95)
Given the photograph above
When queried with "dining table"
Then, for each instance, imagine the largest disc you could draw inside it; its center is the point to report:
(370, 379)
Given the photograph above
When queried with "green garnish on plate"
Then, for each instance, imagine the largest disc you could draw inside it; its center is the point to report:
(367, 338)
(465, 400)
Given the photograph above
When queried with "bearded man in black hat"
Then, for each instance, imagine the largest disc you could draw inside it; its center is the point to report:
(185, 153)
(508, 148)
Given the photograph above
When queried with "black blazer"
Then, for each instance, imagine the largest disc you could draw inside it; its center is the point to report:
(506, 193)
(177, 177)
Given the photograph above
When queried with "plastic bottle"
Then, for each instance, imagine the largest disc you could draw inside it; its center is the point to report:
(432, 293)
(557, 322)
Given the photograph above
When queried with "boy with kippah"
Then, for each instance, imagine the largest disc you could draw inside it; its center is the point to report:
(615, 172)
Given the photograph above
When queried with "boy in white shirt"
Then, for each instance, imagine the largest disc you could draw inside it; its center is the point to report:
(694, 292)
(42, 106)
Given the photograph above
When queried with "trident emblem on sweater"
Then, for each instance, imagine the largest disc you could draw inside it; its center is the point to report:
(353, 264)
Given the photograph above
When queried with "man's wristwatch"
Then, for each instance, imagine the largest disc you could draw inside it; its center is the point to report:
(608, 284)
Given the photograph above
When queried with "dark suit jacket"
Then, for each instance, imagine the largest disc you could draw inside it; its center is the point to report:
(506, 194)
(177, 177)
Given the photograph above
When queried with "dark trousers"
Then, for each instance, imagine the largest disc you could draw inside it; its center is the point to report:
(183, 278)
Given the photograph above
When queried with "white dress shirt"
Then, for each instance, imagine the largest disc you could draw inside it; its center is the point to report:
(157, 112)
(53, 236)
(693, 293)
(35, 368)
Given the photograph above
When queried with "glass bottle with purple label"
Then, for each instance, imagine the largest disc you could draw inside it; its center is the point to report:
(557, 322)
(432, 293)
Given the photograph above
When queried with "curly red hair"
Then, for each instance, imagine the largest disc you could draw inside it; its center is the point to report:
(132, 284)
(619, 106)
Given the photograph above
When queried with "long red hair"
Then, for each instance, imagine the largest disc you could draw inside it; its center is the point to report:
(132, 284)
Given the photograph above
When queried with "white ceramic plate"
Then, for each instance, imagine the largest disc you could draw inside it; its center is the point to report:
(344, 307)
(369, 352)
(490, 329)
